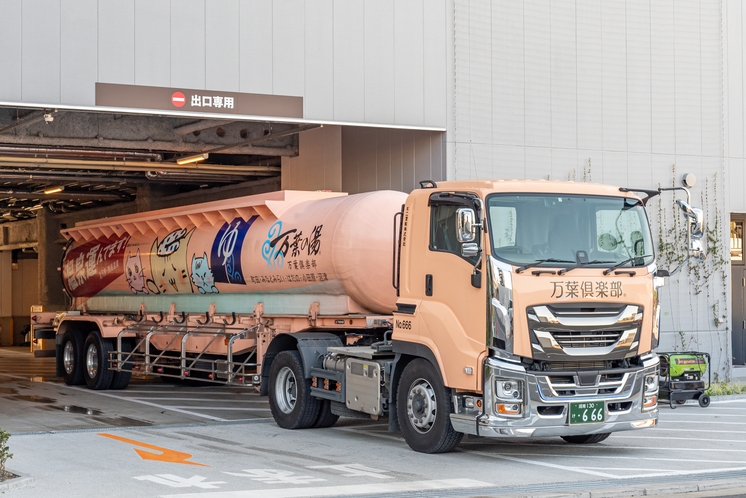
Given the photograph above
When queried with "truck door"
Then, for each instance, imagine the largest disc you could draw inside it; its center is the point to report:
(452, 309)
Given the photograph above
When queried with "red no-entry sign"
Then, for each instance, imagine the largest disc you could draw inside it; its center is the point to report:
(178, 99)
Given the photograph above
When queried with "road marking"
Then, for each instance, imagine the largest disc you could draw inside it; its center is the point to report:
(275, 476)
(698, 430)
(165, 455)
(725, 401)
(180, 482)
(566, 468)
(681, 438)
(700, 422)
(352, 489)
(202, 400)
(607, 457)
(355, 470)
(662, 448)
(177, 391)
(224, 408)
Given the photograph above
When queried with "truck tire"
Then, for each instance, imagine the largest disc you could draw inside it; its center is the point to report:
(586, 438)
(96, 357)
(72, 359)
(121, 379)
(290, 399)
(423, 407)
(326, 418)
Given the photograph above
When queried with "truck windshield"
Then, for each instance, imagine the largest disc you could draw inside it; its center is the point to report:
(563, 230)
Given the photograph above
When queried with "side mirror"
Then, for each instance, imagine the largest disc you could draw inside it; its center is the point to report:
(696, 230)
(465, 225)
(469, 250)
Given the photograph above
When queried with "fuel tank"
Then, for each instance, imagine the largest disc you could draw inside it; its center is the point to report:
(285, 249)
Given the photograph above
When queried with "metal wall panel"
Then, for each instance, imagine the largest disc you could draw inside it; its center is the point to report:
(116, 41)
(480, 75)
(590, 78)
(538, 123)
(712, 80)
(40, 68)
(318, 97)
(10, 55)
(733, 84)
(638, 76)
(256, 21)
(287, 52)
(153, 42)
(688, 89)
(435, 72)
(188, 44)
(408, 62)
(613, 66)
(78, 50)
(508, 124)
(222, 45)
(349, 65)
(663, 77)
(379, 62)
(564, 74)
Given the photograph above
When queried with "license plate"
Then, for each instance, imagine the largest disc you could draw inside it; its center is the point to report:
(587, 412)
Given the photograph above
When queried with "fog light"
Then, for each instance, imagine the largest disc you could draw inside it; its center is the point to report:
(469, 402)
(508, 409)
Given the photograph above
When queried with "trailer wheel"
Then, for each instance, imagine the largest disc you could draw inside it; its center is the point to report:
(326, 418)
(586, 438)
(290, 398)
(96, 369)
(704, 400)
(423, 408)
(121, 378)
(72, 359)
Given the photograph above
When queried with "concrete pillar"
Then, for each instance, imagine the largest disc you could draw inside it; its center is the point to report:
(149, 196)
(50, 250)
(6, 298)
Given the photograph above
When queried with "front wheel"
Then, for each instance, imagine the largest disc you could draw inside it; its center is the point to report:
(704, 400)
(586, 438)
(290, 399)
(424, 407)
(96, 369)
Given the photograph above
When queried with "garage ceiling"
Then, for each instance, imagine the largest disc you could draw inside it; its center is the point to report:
(68, 160)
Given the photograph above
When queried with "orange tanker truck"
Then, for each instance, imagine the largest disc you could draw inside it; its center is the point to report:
(491, 308)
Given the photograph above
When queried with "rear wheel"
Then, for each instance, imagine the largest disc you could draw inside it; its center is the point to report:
(326, 418)
(96, 372)
(121, 378)
(423, 408)
(290, 399)
(586, 438)
(72, 359)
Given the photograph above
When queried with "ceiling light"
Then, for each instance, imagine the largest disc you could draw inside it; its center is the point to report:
(54, 190)
(193, 159)
(36, 208)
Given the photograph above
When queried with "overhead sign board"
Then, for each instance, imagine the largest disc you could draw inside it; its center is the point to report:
(186, 100)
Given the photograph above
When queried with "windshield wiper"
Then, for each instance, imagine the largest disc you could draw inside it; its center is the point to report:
(609, 270)
(540, 262)
(580, 265)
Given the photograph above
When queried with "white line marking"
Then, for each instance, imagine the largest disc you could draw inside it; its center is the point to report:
(607, 457)
(698, 430)
(213, 393)
(725, 401)
(700, 422)
(682, 438)
(352, 489)
(221, 408)
(544, 464)
(661, 448)
(147, 398)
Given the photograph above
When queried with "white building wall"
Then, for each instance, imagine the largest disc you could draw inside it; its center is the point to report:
(361, 61)
(621, 92)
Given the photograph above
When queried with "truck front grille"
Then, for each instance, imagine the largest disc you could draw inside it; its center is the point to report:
(590, 339)
(585, 384)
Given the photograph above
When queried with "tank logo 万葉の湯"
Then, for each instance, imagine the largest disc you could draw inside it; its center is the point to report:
(278, 244)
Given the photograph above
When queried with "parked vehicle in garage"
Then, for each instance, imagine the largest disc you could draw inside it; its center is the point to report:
(520, 308)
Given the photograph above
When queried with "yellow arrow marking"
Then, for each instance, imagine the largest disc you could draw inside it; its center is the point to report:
(165, 455)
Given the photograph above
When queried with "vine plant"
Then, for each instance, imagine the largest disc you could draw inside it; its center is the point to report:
(706, 280)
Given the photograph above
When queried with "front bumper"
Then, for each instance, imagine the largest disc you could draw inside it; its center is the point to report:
(545, 408)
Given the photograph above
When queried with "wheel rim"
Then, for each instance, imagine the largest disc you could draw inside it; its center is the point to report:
(421, 406)
(68, 357)
(91, 361)
(286, 390)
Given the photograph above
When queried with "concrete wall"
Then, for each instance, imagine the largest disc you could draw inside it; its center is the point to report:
(628, 93)
(318, 165)
(373, 61)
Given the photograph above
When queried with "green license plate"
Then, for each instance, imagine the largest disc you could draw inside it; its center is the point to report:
(587, 412)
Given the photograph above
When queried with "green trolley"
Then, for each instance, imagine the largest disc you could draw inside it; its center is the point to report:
(682, 377)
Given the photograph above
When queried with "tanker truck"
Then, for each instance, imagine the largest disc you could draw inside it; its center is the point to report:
(490, 308)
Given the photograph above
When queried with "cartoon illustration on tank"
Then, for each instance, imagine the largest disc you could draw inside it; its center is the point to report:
(135, 274)
(169, 264)
(202, 277)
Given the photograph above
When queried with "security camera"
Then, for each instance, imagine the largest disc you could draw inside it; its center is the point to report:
(48, 118)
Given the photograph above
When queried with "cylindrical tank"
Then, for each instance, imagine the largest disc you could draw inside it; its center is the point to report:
(338, 246)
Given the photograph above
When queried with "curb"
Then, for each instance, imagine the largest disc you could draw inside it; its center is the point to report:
(737, 485)
(21, 481)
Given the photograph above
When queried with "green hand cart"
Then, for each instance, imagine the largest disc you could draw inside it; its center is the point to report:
(682, 377)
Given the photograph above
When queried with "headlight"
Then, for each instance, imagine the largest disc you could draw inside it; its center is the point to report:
(651, 383)
(509, 397)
